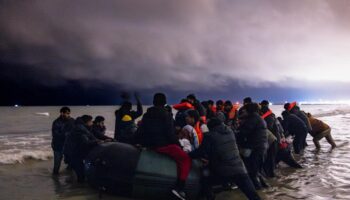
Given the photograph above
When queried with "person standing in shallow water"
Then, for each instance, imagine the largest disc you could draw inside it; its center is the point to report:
(125, 126)
(294, 126)
(60, 128)
(252, 139)
(320, 130)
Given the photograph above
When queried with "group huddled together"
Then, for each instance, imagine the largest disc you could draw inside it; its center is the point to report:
(239, 145)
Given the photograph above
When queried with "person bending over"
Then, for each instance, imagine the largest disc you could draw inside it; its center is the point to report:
(320, 130)
(79, 143)
(99, 129)
(225, 165)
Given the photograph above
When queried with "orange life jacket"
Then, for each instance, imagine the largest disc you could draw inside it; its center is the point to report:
(268, 113)
(292, 105)
(233, 111)
(198, 129)
(183, 106)
(214, 109)
(204, 119)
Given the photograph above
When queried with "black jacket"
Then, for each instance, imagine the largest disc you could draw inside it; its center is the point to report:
(60, 129)
(79, 142)
(272, 125)
(157, 128)
(119, 114)
(252, 133)
(99, 132)
(294, 125)
(180, 118)
(200, 108)
(220, 148)
(303, 117)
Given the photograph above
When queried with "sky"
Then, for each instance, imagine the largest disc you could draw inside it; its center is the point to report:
(88, 52)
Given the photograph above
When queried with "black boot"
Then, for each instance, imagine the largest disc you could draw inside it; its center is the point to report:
(178, 191)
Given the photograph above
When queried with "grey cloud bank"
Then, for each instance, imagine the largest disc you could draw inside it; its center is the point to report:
(179, 44)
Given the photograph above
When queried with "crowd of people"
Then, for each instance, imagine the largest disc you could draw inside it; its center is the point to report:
(239, 145)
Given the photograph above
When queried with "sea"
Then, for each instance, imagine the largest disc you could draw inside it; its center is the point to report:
(26, 158)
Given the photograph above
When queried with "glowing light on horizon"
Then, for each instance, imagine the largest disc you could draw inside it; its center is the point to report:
(321, 101)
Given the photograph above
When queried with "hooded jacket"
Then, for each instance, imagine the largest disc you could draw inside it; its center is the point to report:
(220, 148)
(80, 141)
(294, 125)
(157, 128)
(60, 129)
(303, 117)
(99, 132)
(253, 133)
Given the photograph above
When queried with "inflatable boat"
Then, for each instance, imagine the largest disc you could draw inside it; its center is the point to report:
(125, 170)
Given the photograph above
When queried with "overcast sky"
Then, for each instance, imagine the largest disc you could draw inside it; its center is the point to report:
(179, 45)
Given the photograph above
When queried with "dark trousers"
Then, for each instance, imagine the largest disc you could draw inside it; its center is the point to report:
(57, 159)
(254, 165)
(285, 155)
(242, 181)
(299, 142)
(270, 162)
(77, 165)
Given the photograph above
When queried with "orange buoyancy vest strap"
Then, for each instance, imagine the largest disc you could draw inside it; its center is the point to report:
(183, 106)
(268, 113)
(214, 109)
(233, 111)
(292, 105)
(197, 127)
(204, 119)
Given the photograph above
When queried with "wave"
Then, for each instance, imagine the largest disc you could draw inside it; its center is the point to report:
(14, 156)
(43, 113)
(24, 132)
(333, 113)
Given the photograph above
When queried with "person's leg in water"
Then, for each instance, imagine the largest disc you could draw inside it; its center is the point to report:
(317, 143)
(78, 167)
(260, 166)
(298, 144)
(58, 156)
(67, 162)
(330, 140)
(270, 162)
(244, 183)
(207, 183)
(327, 134)
(252, 164)
(286, 156)
(183, 162)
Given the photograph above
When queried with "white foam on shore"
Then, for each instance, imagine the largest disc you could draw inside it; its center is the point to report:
(43, 113)
(14, 156)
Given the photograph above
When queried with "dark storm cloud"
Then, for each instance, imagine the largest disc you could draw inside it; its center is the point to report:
(178, 44)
